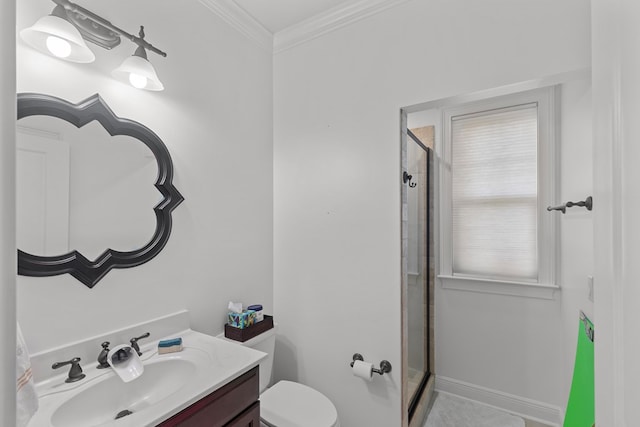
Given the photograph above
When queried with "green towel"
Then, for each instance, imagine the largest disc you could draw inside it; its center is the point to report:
(581, 406)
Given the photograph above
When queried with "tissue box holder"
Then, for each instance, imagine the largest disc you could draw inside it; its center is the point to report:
(247, 333)
(241, 320)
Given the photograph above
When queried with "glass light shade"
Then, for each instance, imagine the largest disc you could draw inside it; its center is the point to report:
(138, 81)
(58, 47)
(58, 37)
(139, 73)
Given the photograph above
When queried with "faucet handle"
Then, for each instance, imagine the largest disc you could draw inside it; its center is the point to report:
(134, 342)
(75, 373)
(102, 357)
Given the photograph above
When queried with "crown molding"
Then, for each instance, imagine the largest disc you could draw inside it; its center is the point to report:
(328, 21)
(309, 29)
(239, 19)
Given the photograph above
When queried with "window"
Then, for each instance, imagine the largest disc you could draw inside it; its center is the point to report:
(497, 180)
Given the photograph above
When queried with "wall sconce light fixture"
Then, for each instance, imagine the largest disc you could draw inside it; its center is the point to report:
(63, 33)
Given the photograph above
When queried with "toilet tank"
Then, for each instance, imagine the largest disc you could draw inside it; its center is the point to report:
(265, 342)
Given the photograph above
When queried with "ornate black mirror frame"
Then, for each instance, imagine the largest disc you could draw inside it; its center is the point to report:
(94, 108)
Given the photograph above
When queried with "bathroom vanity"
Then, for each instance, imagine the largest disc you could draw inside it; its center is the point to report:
(233, 405)
(210, 383)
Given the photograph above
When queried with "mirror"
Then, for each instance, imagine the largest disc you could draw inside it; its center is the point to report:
(81, 188)
(95, 191)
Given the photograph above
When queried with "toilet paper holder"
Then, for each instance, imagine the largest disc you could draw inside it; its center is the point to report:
(385, 365)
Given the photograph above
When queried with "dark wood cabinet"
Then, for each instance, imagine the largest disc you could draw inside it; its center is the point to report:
(249, 418)
(232, 405)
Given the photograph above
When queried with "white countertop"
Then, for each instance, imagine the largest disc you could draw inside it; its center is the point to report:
(217, 363)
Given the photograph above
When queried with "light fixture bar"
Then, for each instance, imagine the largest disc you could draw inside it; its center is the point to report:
(74, 8)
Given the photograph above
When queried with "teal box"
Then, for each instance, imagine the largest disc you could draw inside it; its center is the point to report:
(242, 320)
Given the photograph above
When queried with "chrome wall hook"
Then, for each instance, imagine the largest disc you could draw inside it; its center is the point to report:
(407, 178)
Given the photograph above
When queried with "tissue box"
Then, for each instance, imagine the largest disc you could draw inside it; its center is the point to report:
(241, 320)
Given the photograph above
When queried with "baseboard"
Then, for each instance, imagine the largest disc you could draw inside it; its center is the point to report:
(524, 407)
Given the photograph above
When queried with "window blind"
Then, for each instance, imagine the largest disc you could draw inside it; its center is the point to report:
(494, 193)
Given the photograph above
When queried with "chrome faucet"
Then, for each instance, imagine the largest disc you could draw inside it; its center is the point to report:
(122, 354)
(75, 373)
(102, 357)
(105, 354)
(134, 342)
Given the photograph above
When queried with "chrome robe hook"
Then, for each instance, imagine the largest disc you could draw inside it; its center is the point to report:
(407, 178)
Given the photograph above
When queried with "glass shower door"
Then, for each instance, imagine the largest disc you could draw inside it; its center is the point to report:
(418, 267)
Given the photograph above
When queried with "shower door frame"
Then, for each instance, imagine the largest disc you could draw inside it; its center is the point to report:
(414, 406)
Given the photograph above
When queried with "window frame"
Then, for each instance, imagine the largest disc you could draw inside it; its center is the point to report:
(546, 99)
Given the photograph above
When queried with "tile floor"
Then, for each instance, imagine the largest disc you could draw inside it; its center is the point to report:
(527, 423)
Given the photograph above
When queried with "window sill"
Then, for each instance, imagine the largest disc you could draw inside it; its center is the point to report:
(487, 286)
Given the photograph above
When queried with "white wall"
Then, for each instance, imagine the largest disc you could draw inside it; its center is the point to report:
(616, 96)
(7, 213)
(337, 182)
(630, 204)
(215, 117)
(576, 226)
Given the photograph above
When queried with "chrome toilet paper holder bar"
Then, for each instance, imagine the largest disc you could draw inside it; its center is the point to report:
(385, 365)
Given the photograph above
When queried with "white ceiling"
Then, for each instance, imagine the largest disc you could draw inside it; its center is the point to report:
(276, 15)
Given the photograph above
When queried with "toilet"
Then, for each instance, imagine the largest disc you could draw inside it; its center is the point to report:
(287, 403)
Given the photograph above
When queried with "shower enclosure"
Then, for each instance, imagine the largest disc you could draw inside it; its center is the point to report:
(418, 269)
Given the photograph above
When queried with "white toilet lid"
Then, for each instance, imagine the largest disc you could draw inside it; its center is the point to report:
(289, 404)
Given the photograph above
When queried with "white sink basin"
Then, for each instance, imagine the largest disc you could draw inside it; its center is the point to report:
(170, 382)
(103, 401)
